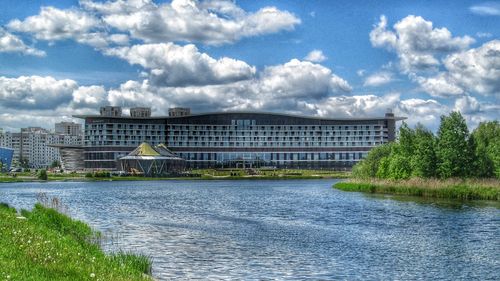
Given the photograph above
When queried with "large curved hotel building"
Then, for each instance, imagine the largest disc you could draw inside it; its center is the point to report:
(235, 139)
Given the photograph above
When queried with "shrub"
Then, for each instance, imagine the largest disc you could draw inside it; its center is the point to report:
(42, 175)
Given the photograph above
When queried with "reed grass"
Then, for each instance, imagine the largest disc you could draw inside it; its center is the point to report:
(463, 189)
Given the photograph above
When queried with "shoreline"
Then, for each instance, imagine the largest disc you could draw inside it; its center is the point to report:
(2, 181)
(457, 189)
(203, 175)
(50, 245)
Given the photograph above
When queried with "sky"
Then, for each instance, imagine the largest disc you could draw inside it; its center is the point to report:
(334, 59)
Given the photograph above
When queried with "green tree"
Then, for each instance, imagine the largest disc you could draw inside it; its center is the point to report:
(368, 167)
(24, 163)
(55, 164)
(424, 160)
(383, 168)
(399, 167)
(487, 139)
(42, 175)
(406, 141)
(455, 151)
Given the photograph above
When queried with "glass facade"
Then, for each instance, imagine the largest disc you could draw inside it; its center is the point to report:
(240, 139)
(6, 155)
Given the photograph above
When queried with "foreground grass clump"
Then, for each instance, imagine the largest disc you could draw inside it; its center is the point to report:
(44, 244)
(469, 189)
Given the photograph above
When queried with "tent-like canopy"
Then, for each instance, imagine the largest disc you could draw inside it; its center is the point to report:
(152, 161)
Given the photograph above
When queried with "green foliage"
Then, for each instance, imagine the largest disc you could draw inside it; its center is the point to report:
(42, 175)
(140, 262)
(455, 151)
(46, 245)
(383, 168)
(368, 167)
(487, 139)
(24, 163)
(55, 164)
(452, 189)
(423, 160)
(98, 174)
(399, 167)
(406, 141)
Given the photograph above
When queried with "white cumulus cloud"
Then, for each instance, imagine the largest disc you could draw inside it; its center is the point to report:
(55, 24)
(315, 56)
(378, 79)
(209, 22)
(35, 92)
(10, 43)
(417, 42)
(174, 65)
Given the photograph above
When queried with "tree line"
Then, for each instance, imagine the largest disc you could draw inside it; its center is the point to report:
(452, 152)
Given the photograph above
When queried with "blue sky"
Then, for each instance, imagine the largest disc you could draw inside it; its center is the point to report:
(422, 59)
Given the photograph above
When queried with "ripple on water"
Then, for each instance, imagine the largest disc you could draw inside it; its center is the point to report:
(295, 230)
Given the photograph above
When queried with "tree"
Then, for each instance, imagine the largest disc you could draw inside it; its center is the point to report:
(406, 144)
(55, 164)
(383, 168)
(24, 163)
(42, 175)
(399, 167)
(424, 160)
(455, 151)
(368, 167)
(487, 139)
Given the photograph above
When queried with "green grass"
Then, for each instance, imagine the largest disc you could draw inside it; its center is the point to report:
(470, 189)
(44, 244)
(200, 174)
(269, 174)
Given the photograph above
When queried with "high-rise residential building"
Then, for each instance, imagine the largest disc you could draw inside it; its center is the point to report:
(68, 128)
(239, 139)
(32, 145)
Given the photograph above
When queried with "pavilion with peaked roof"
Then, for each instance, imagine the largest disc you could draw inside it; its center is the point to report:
(151, 161)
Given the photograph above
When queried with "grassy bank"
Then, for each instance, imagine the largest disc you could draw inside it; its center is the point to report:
(201, 174)
(44, 244)
(453, 188)
(268, 174)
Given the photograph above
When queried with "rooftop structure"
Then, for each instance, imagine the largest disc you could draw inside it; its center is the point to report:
(179, 111)
(111, 111)
(140, 112)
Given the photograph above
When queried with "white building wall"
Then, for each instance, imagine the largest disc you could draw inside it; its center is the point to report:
(34, 146)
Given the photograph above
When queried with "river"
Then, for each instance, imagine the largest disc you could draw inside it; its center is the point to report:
(282, 229)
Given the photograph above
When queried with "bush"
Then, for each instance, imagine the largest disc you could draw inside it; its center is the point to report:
(42, 175)
(98, 174)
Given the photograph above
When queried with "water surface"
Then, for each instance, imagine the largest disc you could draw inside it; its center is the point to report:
(294, 230)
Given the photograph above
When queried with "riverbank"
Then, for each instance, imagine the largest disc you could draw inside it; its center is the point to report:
(204, 174)
(44, 244)
(469, 189)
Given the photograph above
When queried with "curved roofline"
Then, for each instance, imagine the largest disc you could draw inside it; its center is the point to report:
(244, 112)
